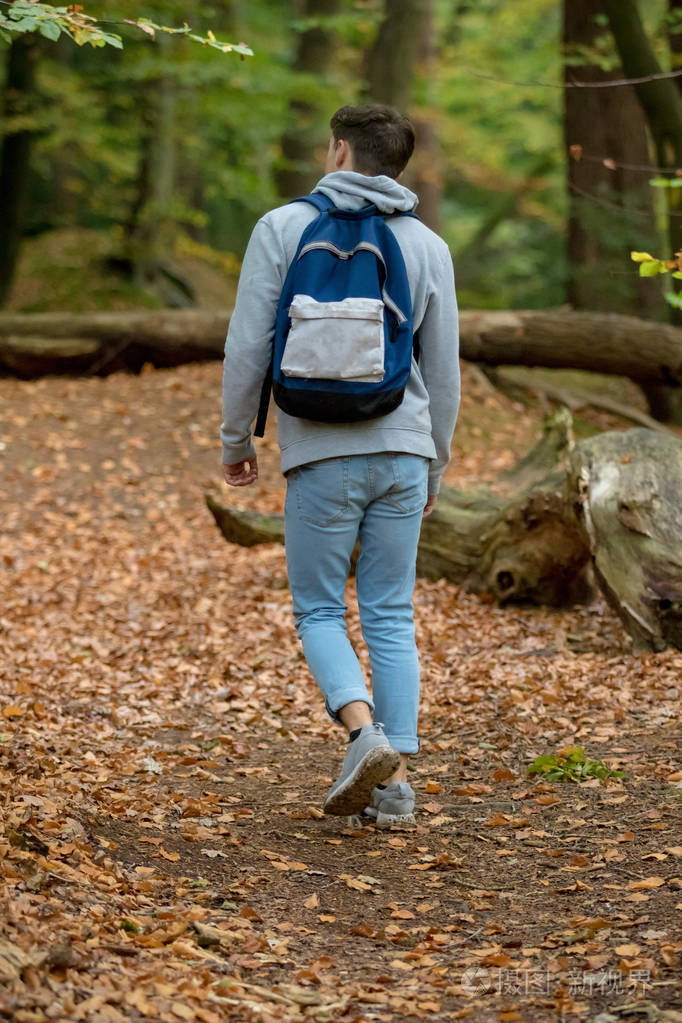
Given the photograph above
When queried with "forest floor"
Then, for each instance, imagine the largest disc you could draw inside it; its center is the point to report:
(164, 753)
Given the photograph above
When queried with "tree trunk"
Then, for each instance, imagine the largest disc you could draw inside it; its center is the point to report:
(15, 154)
(149, 230)
(37, 343)
(602, 125)
(302, 138)
(425, 173)
(391, 61)
(662, 104)
(612, 501)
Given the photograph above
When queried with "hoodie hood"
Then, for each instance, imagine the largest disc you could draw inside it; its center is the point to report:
(351, 191)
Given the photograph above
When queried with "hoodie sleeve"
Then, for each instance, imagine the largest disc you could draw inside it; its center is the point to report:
(439, 366)
(248, 347)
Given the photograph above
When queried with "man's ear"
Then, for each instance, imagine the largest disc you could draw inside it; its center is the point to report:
(342, 154)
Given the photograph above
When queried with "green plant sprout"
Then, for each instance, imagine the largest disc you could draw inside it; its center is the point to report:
(570, 764)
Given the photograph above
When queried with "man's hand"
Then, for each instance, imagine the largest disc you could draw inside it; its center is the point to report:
(241, 473)
(430, 502)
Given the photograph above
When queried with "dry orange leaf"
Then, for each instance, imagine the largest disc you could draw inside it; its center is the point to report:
(628, 950)
(433, 807)
(498, 820)
(646, 883)
(312, 902)
(496, 959)
(402, 914)
(359, 886)
(182, 1010)
(173, 857)
(12, 711)
(326, 918)
(433, 787)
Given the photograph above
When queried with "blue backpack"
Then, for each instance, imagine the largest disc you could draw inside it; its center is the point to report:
(343, 344)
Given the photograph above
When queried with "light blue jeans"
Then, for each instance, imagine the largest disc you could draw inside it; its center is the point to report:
(378, 499)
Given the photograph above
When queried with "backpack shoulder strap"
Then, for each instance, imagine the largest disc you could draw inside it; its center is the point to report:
(404, 213)
(319, 200)
(322, 203)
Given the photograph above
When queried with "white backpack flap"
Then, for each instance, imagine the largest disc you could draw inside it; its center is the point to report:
(340, 340)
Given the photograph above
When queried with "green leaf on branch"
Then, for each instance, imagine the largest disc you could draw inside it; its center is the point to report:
(27, 16)
(50, 30)
(673, 299)
(650, 269)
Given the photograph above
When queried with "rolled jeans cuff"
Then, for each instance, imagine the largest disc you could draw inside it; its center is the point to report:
(404, 743)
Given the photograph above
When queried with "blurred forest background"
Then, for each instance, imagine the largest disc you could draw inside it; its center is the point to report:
(131, 177)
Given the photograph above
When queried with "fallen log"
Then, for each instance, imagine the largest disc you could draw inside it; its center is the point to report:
(610, 506)
(35, 344)
(38, 343)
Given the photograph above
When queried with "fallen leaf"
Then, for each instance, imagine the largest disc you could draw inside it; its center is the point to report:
(12, 711)
(432, 807)
(628, 950)
(433, 788)
(645, 883)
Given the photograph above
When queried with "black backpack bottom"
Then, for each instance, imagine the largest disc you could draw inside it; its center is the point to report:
(332, 407)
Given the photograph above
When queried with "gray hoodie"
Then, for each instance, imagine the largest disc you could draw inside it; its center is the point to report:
(423, 424)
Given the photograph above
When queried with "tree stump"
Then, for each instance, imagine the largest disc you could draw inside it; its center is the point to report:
(628, 501)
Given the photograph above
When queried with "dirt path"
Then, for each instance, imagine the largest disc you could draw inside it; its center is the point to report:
(163, 753)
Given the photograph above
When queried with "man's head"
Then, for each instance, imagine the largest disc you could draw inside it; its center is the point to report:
(371, 139)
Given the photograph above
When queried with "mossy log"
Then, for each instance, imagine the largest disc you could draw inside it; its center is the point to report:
(609, 510)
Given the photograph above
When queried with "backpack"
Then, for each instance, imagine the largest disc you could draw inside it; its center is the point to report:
(343, 343)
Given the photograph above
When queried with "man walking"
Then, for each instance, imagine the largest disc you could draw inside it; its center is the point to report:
(371, 480)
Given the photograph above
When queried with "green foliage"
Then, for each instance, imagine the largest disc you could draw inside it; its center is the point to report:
(570, 764)
(499, 137)
(25, 16)
(501, 142)
(649, 266)
(51, 22)
(666, 182)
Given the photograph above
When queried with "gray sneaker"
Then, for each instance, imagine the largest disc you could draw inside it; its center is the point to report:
(392, 805)
(369, 761)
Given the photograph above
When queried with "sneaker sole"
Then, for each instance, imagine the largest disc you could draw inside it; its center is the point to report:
(392, 820)
(355, 793)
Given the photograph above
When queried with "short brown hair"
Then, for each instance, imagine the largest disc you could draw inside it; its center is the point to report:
(381, 138)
